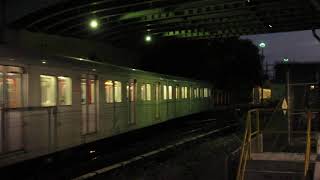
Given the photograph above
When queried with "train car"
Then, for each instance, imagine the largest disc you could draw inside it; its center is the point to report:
(53, 103)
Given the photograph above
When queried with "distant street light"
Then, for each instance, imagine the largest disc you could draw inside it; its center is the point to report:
(94, 24)
(262, 45)
(285, 60)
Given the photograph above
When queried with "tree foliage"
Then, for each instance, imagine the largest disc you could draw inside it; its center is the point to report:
(233, 65)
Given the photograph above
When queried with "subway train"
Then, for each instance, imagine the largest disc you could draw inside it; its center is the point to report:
(52, 103)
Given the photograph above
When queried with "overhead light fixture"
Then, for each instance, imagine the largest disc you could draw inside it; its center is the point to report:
(94, 24)
(148, 38)
(270, 25)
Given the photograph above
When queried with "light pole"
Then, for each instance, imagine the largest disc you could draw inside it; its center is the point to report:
(262, 45)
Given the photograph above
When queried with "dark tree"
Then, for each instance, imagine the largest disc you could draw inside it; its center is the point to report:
(232, 64)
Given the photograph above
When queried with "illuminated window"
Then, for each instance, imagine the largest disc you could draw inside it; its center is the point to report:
(170, 92)
(117, 91)
(48, 90)
(92, 92)
(182, 92)
(165, 97)
(205, 91)
(108, 86)
(83, 91)
(185, 92)
(201, 92)
(195, 93)
(65, 90)
(143, 92)
(148, 92)
(177, 92)
(1, 88)
(13, 90)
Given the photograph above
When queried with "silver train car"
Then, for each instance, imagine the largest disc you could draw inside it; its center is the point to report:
(52, 103)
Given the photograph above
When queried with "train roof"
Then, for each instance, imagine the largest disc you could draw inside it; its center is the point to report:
(31, 57)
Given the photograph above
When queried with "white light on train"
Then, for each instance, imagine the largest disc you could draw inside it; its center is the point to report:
(44, 62)
(94, 70)
(270, 25)
(133, 69)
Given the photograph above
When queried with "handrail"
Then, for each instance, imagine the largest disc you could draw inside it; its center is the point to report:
(308, 145)
(246, 145)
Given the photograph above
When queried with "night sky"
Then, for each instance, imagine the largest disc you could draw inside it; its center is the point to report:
(298, 46)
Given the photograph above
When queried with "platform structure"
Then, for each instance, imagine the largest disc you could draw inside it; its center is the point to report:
(278, 147)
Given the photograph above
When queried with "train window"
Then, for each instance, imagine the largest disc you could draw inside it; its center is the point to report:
(92, 92)
(170, 92)
(182, 92)
(117, 91)
(205, 92)
(65, 90)
(143, 92)
(14, 89)
(165, 92)
(185, 92)
(198, 93)
(201, 92)
(177, 92)
(83, 91)
(48, 90)
(108, 86)
(148, 92)
(195, 93)
(1, 88)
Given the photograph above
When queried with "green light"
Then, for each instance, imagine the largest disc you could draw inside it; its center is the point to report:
(285, 60)
(94, 24)
(262, 45)
(148, 38)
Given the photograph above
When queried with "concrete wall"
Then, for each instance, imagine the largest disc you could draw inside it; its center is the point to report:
(53, 44)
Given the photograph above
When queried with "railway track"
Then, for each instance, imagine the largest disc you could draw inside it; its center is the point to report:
(108, 155)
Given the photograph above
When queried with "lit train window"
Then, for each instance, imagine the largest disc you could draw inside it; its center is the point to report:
(205, 92)
(148, 92)
(1, 88)
(143, 92)
(195, 93)
(201, 92)
(108, 85)
(182, 92)
(92, 92)
(170, 92)
(165, 97)
(117, 91)
(177, 92)
(83, 91)
(14, 89)
(65, 90)
(48, 90)
(185, 92)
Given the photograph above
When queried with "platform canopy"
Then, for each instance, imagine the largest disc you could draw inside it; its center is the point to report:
(124, 20)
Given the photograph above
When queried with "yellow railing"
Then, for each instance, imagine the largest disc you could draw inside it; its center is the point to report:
(308, 144)
(246, 144)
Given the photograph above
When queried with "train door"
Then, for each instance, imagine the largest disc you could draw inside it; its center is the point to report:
(11, 122)
(89, 104)
(132, 101)
(158, 92)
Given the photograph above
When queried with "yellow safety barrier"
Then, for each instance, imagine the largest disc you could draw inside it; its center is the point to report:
(308, 144)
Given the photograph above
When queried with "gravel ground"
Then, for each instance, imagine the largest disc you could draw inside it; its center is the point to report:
(206, 159)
